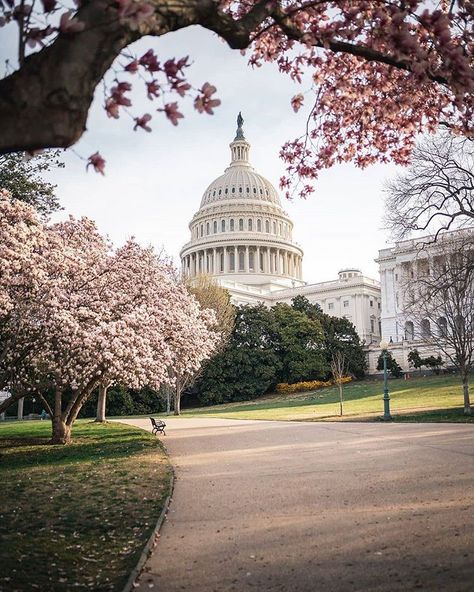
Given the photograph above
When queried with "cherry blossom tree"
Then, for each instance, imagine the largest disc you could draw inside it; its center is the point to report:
(75, 314)
(381, 71)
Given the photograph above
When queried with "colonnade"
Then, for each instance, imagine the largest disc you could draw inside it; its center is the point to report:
(243, 259)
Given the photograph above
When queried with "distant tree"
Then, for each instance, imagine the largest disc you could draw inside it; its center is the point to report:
(414, 359)
(338, 370)
(433, 362)
(339, 335)
(248, 366)
(211, 297)
(299, 345)
(22, 177)
(436, 192)
(392, 365)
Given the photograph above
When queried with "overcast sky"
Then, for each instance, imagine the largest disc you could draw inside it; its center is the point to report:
(154, 181)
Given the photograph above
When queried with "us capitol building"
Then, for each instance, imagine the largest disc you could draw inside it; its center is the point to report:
(242, 237)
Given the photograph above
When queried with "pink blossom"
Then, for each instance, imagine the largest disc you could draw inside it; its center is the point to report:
(97, 162)
(297, 102)
(142, 122)
(204, 102)
(172, 113)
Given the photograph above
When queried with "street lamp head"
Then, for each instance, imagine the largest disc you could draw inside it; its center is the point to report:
(383, 344)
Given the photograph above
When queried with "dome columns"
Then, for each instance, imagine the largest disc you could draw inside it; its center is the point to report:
(247, 259)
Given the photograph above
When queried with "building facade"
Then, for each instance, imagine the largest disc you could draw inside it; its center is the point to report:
(242, 237)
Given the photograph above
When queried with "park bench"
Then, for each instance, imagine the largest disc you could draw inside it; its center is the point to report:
(158, 426)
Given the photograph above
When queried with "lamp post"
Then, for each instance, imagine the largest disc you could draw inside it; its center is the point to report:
(386, 396)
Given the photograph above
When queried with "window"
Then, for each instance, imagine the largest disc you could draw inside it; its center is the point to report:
(231, 223)
(241, 260)
(207, 227)
(259, 226)
(379, 306)
(241, 224)
(425, 328)
(274, 227)
(222, 225)
(232, 261)
(250, 224)
(409, 331)
(202, 229)
(372, 303)
(215, 226)
(281, 229)
(221, 262)
(372, 326)
(346, 303)
(267, 226)
(396, 277)
(233, 189)
(442, 327)
(331, 306)
(251, 261)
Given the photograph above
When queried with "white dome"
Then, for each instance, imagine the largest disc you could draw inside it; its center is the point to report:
(240, 180)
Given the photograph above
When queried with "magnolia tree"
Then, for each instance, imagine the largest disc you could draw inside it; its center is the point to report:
(76, 314)
(381, 71)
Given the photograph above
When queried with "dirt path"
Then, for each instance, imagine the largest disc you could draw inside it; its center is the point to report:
(279, 506)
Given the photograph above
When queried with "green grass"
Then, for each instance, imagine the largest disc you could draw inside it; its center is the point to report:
(76, 517)
(433, 398)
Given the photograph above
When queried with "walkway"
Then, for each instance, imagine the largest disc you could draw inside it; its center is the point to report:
(313, 507)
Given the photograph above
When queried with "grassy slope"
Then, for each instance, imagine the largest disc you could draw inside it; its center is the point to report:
(77, 516)
(362, 400)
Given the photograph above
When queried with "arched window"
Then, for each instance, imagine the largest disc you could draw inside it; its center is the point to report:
(442, 327)
(281, 229)
(202, 230)
(259, 226)
(425, 328)
(409, 331)
(207, 227)
(267, 226)
(221, 262)
(250, 225)
(232, 261)
(241, 260)
(222, 225)
(274, 227)
(215, 226)
(231, 224)
(241, 224)
(251, 261)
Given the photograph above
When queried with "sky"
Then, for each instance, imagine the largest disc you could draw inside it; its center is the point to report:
(154, 181)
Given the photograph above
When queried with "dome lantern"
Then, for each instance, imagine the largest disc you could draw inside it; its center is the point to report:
(239, 148)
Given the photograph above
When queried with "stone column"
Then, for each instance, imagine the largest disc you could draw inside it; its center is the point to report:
(215, 269)
(247, 259)
(256, 261)
(226, 263)
(236, 263)
(267, 261)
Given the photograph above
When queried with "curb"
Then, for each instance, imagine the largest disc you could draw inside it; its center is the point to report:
(147, 549)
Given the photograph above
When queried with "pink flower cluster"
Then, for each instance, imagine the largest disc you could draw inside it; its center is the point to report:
(75, 312)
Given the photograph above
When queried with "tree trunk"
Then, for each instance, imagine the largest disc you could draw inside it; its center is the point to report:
(340, 400)
(101, 402)
(177, 401)
(61, 431)
(465, 389)
(21, 402)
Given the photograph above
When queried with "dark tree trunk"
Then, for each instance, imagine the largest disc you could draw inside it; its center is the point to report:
(61, 431)
(177, 401)
(465, 390)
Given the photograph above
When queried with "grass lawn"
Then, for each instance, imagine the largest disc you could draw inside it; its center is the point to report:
(433, 398)
(77, 517)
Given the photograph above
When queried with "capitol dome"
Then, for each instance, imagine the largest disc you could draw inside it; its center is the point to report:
(241, 232)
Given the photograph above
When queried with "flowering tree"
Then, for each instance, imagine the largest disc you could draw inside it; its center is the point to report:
(75, 314)
(381, 70)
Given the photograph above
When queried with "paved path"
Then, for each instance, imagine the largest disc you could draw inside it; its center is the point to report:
(316, 507)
